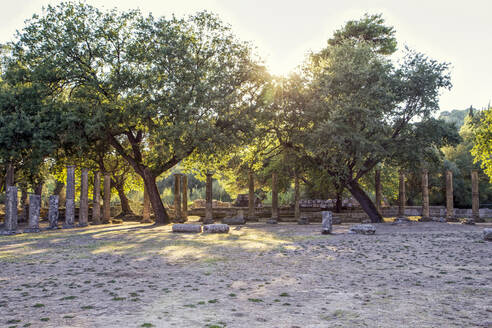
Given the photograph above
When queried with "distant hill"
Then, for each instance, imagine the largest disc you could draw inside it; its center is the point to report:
(456, 116)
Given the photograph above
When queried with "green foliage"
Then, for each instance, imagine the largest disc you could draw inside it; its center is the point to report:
(482, 136)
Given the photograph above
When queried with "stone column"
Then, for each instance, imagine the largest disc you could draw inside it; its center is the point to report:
(184, 192)
(475, 196)
(96, 199)
(11, 209)
(177, 197)
(208, 201)
(34, 208)
(84, 198)
(107, 199)
(297, 209)
(146, 207)
(274, 218)
(425, 196)
(251, 197)
(402, 196)
(449, 196)
(70, 198)
(377, 184)
(53, 212)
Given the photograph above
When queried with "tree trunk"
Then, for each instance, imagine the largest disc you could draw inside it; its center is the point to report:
(38, 190)
(161, 216)
(58, 187)
(125, 204)
(365, 202)
(338, 205)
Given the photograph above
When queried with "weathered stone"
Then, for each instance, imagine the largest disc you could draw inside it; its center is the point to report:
(487, 234)
(11, 209)
(184, 197)
(177, 198)
(84, 198)
(274, 218)
(34, 211)
(365, 229)
(192, 228)
(303, 220)
(449, 196)
(96, 199)
(106, 199)
(475, 196)
(208, 200)
(441, 220)
(70, 198)
(401, 196)
(216, 228)
(326, 223)
(425, 197)
(53, 212)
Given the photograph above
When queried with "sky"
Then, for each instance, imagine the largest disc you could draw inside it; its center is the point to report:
(285, 31)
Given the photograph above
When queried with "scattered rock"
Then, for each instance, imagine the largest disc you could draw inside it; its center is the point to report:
(193, 228)
(487, 234)
(467, 221)
(402, 219)
(216, 228)
(234, 220)
(365, 229)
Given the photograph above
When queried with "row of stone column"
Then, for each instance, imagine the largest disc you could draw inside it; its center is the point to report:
(425, 195)
(181, 197)
(35, 203)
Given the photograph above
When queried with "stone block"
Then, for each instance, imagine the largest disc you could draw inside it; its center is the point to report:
(327, 222)
(487, 234)
(365, 229)
(303, 220)
(34, 212)
(53, 212)
(234, 220)
(189, 228)
(216, 228)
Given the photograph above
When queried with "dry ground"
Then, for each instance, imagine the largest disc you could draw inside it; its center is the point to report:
(132, 275)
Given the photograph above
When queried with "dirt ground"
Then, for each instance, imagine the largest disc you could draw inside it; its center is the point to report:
(286, 275)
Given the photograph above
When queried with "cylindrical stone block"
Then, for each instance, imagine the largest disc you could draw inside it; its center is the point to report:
(274, 217)
(10, 176)
(84, 198)
(401, 196)
(208, 200)
(216, 228)
(177, 197)
(297, 208)
(251, 197)
(475, 196)
(70, 198)
(107, 199)
(11, 209)
(34, 210)
(449, 196)
(425, 195)
(53, 212)
(184, 192)
(192, 228)
(96, 199)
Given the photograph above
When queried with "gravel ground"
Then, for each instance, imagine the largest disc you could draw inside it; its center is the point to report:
(285, 275)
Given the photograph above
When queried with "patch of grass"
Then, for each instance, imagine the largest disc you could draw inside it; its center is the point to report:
(213, 301)
(11, 321)
(45, 319)
(38, 305)
(68, 317)
(87, 307)
(232, 295)
(255, 300)
(67, 298)
(147, 324)
(284, 294)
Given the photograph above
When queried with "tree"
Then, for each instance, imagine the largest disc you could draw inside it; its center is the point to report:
(157, 89)
(360, 110)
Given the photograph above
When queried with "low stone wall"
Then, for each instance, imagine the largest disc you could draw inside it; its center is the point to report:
(286, 213)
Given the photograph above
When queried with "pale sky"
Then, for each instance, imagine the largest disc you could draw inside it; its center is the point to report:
(284, 31)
